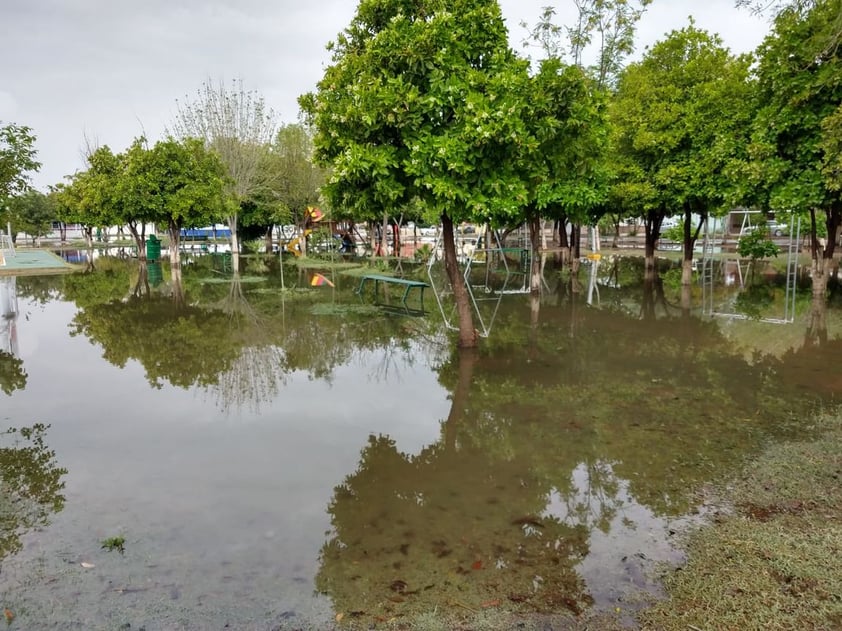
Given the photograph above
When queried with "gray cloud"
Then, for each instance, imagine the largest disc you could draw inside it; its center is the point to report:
(112, 69)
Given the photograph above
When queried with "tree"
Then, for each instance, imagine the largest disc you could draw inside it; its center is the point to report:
(679, 114)
(794, 153)
(117, 197)
(17, 159)
(421, 99)
(76, 202)
(562, 165)
(238, 126)
(293, 180)
(177, 183)
(612, 24)
(32, 213)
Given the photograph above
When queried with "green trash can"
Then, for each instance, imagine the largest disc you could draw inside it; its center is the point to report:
(155, 274)
(153, 248)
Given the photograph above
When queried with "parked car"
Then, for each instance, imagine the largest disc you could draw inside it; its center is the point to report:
(777, 229)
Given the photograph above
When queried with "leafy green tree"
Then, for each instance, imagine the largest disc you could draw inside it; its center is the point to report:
(422, 99)
(88, 197)
(176, 183)
(32, 212)
(237, 125)
(562, 163)
(794, 150)
(17, 159)
(605, 28)
(678, 115)
(292, 180)
(117, 197)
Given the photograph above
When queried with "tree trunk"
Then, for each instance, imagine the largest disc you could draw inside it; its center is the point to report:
(647, 305)
(138, 242)
(687, 271)
(372, 239)
(817, 331)
(467, 359)
(267, 240)
(235, 243)
(652, 231)
(174, 232)
(821, 270)
(384, 245)
(535, 231)
(467, 333)
(574, 252)
(563, 241)
(686, 300)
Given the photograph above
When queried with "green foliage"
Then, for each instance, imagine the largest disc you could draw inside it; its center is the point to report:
(31, 485)
(172, 183)
(12, 375)
(678, 116)
(563, 163)
(423, 253)
(17, 159)
(179, 183)
(757, 245)
(795, 142)
(117, 543)
(292, 181)
(422, 101)
(613, 23)
(32, 213)
(674, 233)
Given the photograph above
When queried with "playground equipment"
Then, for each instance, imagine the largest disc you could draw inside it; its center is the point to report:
(715, 264)
(8, 315)
(312, 216)
(7, 248)
(506, 272)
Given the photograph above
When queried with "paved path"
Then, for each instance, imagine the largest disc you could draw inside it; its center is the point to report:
(26, 261)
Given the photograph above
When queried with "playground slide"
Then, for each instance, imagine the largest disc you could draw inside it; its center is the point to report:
(293, 246)
(314, 215)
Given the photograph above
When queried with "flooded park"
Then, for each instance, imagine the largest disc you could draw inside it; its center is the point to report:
(270, 451)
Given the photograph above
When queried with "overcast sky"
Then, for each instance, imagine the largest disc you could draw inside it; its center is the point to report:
(110, 70)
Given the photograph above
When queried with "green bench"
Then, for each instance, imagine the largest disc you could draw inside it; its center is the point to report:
(391, 280)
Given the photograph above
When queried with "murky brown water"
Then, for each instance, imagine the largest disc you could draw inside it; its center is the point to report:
(274, 459)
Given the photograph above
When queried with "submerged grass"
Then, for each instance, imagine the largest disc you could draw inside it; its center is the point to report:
(776, 561)
(773, 562)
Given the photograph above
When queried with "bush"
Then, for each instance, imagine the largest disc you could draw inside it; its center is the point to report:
(757, 245)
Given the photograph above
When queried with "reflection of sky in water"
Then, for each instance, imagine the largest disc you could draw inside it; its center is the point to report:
(225, 509)
(211, 502)
(620, 529)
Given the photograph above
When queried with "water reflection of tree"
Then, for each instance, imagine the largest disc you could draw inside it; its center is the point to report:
(182, 345)
(236, 339)
(31, 486)
(555, 435)
(455, 527)
(12, 375)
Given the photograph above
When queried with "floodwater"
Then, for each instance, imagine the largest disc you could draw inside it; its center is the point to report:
(282, 459)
